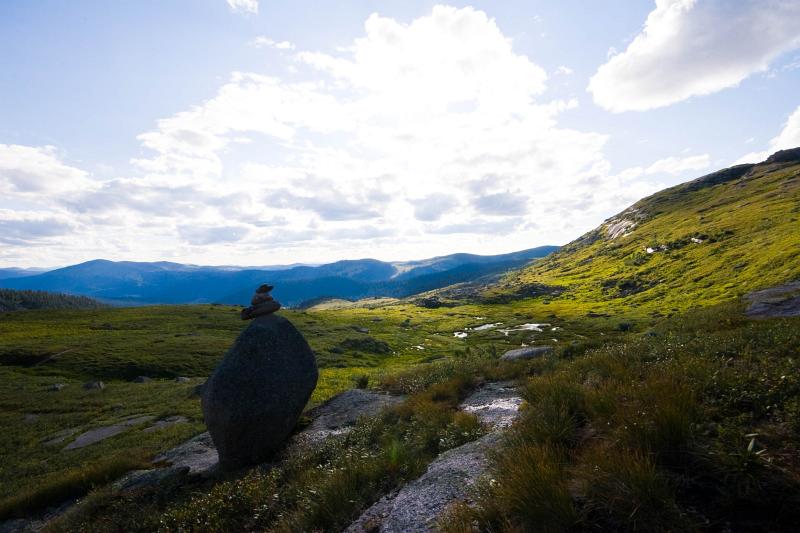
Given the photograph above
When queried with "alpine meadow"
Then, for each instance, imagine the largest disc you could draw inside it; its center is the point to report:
(501, 267)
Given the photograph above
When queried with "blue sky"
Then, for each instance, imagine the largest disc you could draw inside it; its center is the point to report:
(266, 132)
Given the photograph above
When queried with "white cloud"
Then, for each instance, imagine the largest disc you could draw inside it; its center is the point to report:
(31, 228)
(36, 170)
(695, 47)
(563, 70)
(243, 6)
(265, 42)
(789, 137)
(684, 167)
(415, 139)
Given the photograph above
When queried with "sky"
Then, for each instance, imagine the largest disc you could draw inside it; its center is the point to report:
(261, 132)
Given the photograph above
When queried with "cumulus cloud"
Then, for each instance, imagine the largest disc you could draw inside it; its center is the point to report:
(243, 6)
(414, 139)
(21, 228)
(502, 203)
(433, 207)
(212, 235)
(695, 47)
(789, 137)
(36, 170)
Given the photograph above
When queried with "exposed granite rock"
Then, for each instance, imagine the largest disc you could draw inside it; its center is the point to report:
(58, 438)
(416, 507)
(342, 411)
(197, 454)
(102, 433)
(495, 404)
(166, 422)
(780, 301)
(792, 155)
(528, 352)
(142, 479)
(255, 396)
(94, 385)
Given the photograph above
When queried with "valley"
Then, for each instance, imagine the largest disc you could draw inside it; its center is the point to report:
(658, 392)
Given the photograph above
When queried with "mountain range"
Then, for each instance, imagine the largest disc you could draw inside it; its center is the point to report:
(139, 283)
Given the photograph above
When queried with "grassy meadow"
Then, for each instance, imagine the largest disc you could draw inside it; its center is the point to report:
(661, 408)
(39, 349)
(687, 425)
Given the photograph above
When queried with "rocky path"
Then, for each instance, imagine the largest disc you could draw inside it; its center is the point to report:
(416, 506)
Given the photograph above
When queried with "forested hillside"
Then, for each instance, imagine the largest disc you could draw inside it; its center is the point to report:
(13, 300)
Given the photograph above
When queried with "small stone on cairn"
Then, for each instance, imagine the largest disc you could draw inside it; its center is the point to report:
(262, 304)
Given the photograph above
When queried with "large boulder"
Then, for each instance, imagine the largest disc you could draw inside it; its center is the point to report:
(528, 352)
(255, 396)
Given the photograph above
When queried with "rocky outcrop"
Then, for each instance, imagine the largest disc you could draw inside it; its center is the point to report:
(528, 352)
(417, 506)
(780, 301)
(341, 412)
(198, 455)
(792, 155)
(449, 478)
(334, 417)
(254, 398)
(495, 404)
(102, 433)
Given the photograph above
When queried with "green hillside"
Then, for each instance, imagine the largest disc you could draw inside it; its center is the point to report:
(699, 401)
(710, 240)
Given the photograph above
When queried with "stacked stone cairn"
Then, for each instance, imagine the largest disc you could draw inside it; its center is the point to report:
(262, 304)
(253, 399)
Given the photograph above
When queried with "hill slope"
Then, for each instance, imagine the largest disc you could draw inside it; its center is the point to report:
(695, 244)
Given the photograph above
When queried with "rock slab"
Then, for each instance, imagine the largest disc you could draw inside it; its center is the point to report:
(780, 301)
(255, 396)
(102, 433)
(417, 506)
(341, 412)
(495, 404)
(528, 352)
(198, 455)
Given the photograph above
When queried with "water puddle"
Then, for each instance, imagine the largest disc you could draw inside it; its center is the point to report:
(486, 326)
(523, 327)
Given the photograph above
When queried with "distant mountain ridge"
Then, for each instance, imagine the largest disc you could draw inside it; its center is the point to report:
(9, 273)
(137, 283)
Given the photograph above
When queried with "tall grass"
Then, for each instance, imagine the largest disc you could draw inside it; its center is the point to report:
(684, 428)
(74, 483)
